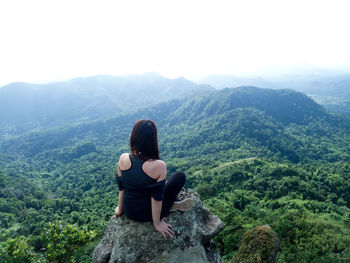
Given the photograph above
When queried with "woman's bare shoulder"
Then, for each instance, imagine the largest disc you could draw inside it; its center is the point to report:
(155, 169)
(157, 164)
(123, 156)
(160, 163)
(124, 162)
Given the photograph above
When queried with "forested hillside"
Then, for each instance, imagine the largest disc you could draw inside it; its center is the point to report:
(256, 156)
(330, 89)
(26, 106)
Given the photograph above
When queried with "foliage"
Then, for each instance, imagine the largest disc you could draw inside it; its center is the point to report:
(16, 250)
(63, 240)
(255, 156)
(299, 205)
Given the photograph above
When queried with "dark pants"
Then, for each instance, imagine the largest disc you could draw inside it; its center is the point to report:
(173, 186)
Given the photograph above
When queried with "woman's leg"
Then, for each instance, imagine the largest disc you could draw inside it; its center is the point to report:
(172, 188)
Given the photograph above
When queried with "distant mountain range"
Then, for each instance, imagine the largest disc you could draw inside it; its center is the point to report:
(266, 119)
(25, 106)
(328, 88)
(230, 81)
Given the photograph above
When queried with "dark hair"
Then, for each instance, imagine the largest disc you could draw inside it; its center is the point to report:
(144, 140)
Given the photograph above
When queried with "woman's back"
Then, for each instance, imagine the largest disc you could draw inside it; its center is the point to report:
(155, 169)
(140, 180)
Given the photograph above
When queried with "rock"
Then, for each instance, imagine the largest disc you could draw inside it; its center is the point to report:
(128, 241)
(259, 245)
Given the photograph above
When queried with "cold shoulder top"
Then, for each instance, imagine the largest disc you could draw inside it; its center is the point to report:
(139, 188)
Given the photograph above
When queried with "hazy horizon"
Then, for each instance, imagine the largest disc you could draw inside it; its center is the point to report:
(268, 74)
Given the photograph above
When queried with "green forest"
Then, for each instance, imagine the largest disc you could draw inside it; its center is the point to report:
(256, 156)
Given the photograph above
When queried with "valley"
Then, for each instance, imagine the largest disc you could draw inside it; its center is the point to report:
(255, 155)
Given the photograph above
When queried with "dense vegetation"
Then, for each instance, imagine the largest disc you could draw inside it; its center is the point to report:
(256, 156)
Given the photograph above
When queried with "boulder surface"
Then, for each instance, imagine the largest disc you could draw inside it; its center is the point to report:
(128, 241)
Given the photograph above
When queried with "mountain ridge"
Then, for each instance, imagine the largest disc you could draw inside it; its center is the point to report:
(25, 106)
(331, 89)
(248, 113)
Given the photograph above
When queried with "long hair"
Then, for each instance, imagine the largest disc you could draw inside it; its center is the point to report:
(144, 140)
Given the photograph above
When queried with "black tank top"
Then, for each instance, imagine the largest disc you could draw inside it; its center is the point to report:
(139, 188)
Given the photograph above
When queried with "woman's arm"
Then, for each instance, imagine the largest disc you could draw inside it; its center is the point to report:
(119, 209)
(159, 224)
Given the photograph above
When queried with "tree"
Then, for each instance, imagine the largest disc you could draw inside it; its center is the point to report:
(63, 240)
(16, 250)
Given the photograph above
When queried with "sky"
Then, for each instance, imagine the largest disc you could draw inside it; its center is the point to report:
(50, 40)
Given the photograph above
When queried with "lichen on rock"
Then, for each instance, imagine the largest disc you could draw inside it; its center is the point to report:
(259, 245)
(128, 241)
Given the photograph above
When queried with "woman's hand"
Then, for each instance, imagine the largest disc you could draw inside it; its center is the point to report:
(117, 212)
(164, 228)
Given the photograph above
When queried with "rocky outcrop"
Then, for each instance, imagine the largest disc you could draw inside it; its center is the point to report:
(129, 241)
(259, 245)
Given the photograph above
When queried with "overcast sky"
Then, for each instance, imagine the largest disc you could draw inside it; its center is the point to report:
(51, 40)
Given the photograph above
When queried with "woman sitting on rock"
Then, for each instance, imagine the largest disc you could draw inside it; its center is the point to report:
(144, 193)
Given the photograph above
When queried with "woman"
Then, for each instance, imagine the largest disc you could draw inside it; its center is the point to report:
(144, 193)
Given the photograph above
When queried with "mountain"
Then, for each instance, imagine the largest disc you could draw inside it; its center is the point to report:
(25, 106)
(229, 81)
(331, 89)
(256, 157)
(322, 85)
(278, 121)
